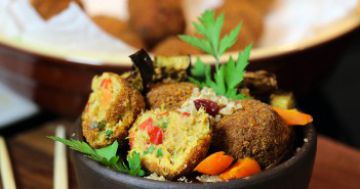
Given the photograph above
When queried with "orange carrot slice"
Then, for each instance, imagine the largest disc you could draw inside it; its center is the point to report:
(293, 116)
(242, 168)
(214, 164)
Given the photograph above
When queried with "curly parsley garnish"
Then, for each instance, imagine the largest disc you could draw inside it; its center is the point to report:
(227, 76)
(106, 156)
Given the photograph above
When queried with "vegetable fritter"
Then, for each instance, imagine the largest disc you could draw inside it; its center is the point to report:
(154, 20)
(49, 8)
(118, 29)
(255, 131)
(171, 143)
(236, 12)
(169, 95)
(112, 107)
(173, 46)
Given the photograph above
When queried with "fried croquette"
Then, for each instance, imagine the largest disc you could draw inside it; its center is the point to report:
(155, 20)
(118, 29)
(112, 107)
(254, 131)
(264, 6)
(49, 8)
(169, 95)
(236, 12)
(174, 46)
(171, 143)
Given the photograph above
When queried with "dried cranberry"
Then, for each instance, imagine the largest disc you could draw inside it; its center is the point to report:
(210, 107)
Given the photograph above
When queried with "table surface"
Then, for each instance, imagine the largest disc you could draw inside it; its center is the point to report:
(336, 166)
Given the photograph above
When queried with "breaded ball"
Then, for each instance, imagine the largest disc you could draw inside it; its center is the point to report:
(236, 12)
(49, 8)
(174, 46)
(118, 29)
(112, 107)
(169, 95)
(264, 6)
(170, 143)
(254, 131)
(155, 20)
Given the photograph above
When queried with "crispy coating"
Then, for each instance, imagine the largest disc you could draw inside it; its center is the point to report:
(241, 11)
(154, 20)
(118, 29)
(264, 6)
(169, 95)
(173, 46)
(50, 8)
(255, 131)
(112, 107)
(186, 140)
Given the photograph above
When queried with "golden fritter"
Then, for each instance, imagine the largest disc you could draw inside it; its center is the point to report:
(112, 107)
(118, 29)
(155, 20)
(171, 143)
(254, 131)
(264, 6)
(50, 8)
(174, 46)
(169, 95)
(241, 11)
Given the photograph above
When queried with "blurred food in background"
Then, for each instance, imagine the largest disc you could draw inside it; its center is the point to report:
(154, 20)
(119, 29)
(155, 24)
(49, 8)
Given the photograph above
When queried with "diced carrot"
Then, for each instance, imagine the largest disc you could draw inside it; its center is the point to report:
(293, 116)
(106, 97)
(214, 164)
(242, 168)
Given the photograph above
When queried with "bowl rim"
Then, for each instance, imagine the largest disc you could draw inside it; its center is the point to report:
(333, 31)
(300, 155)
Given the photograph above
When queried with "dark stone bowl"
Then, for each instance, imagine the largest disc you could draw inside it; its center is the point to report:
(294, 173)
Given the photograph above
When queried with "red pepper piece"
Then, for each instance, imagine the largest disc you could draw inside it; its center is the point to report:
(156, 136)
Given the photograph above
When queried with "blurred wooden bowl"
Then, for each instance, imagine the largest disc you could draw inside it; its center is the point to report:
(61, 84)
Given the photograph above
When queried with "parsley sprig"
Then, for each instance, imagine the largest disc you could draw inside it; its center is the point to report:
(227, 76)
(106, 156)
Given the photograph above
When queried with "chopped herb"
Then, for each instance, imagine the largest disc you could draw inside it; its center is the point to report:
(163, 123)
(149, 150)
(159, 152)
(108, 133)
(106, 156)
(227, 76)
(135, 164)
(98, 125)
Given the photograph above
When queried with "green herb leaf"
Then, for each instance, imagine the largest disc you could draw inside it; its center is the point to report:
(106, 156)
(227, 77)
(197, 42)
(108, 152)
(135, 164)
(229, 40)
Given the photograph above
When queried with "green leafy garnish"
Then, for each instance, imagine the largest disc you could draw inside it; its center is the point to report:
(134, 164)
(106, 156)
(227, 77)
